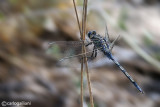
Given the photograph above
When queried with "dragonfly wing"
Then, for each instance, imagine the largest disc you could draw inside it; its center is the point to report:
(107, 35)
(60, 49)
(68, 52)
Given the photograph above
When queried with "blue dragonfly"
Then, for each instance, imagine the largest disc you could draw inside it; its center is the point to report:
(98, 43)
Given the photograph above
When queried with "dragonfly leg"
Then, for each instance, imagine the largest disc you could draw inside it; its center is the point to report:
(95, 53)
(92, 53)
(88, 44)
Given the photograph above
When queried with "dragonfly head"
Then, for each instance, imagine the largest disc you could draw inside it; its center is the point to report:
(91, 34)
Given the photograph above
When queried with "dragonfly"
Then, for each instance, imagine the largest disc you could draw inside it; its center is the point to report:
(98, 43)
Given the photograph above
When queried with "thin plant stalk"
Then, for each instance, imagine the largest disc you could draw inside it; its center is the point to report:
(82, 33)
(84, 17)
(77, 18)
(82, 60)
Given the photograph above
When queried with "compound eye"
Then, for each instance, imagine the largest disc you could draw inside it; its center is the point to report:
(89, 34)
(94, 32)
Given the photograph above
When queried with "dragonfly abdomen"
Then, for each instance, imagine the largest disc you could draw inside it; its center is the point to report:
(127, 75)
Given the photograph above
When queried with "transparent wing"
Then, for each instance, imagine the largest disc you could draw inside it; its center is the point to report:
(63, 49)
(68, 52)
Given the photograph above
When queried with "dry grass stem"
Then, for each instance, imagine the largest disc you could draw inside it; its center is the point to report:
(84, 17)
(82, 60)
(77, 17)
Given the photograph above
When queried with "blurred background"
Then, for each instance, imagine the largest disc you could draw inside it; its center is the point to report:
(28, 73)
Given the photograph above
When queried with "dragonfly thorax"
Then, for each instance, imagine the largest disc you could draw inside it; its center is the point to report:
(98, 41)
